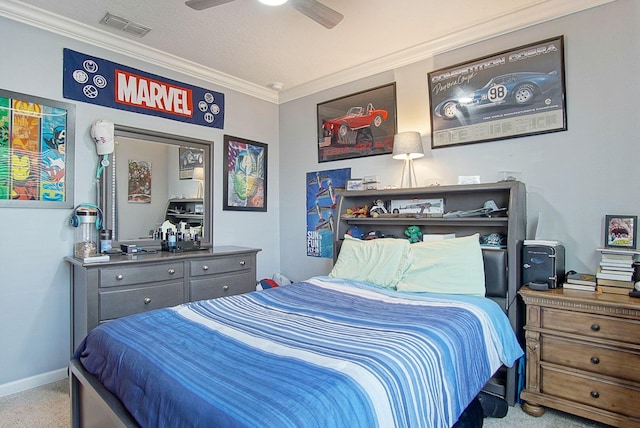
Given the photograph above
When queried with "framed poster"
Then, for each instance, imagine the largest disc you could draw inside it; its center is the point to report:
(620, 231)
(189, 159)
(360, 124)
(139, 182)
(36, 152)
(323, 190)
(510, 94)
(244, 175)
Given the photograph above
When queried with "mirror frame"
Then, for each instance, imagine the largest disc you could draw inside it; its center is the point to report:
(108, 204)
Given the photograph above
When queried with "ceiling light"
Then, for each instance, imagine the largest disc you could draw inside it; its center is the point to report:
(273, 2)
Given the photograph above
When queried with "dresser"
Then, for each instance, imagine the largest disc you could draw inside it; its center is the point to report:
(583, 355)
(130, 284)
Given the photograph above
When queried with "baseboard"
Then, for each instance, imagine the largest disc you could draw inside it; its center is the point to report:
(33, 381)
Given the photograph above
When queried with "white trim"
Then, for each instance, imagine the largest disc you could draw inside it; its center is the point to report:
(542, 11)
(33, 382)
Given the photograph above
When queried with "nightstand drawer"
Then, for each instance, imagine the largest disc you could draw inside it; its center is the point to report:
(218, 265)
(219, 286)
(589, 391)
(120, 303)
(131, 275)
(590, 325)
(597, 359)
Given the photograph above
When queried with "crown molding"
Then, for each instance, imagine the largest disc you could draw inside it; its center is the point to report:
(543, 11)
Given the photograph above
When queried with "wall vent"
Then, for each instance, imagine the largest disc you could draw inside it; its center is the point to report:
(125, 25)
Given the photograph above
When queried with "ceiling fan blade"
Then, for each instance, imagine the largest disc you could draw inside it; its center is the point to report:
(205, 4)
(317, 11)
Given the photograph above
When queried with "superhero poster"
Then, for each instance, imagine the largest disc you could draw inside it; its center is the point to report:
(323, 189)
(34, 151)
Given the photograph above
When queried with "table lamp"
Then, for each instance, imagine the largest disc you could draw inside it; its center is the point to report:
(198, 174)
(407, 146)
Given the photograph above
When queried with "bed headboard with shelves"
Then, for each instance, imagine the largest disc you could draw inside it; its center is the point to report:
(502, 266)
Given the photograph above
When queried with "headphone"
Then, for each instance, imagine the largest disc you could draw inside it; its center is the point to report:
(75, 219)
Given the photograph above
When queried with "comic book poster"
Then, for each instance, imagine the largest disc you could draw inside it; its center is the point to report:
(139, 182)
(323, 188)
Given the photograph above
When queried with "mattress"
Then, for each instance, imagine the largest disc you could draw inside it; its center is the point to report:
(323, 352)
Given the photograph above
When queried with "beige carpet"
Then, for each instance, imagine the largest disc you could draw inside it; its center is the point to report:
(48, 407)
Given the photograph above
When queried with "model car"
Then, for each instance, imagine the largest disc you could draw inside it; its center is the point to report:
(355, 118)
(514, 88)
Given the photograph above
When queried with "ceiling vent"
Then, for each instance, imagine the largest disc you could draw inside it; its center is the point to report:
(125, 25)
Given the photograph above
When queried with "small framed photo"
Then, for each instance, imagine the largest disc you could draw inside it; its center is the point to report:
(355, 184)
(620, 231)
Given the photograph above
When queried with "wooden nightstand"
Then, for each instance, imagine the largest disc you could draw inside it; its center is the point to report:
(583, 355)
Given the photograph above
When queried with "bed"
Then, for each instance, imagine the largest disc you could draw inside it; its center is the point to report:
(348, 349)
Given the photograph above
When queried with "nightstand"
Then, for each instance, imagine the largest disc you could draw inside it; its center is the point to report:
(583, 355)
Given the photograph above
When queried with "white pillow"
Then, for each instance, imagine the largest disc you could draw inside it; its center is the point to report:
(379, 261)
(452, 266)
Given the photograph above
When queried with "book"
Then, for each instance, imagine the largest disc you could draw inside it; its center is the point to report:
(616, 268)
(96, 259)
(619, 251)
(581, 279)
(580, 287)
(615, 283)
(619, 276)
(437, 236)
(541, 242)
(620, 257)
(612, 290)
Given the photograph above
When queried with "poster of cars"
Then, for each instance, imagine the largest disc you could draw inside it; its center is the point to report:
(361, 124)
(189, 159)
(506, 95)
(323, 188)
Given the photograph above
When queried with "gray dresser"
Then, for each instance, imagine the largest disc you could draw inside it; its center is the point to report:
(128, 285)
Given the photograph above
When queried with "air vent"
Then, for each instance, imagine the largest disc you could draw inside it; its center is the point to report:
(125, 25)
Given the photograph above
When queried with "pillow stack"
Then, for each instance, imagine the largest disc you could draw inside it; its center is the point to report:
(451, 266)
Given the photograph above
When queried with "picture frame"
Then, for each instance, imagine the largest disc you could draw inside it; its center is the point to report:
(189, 158)
(620, 231)
(37, 137)
(354, 184)
(244, 174)
(510, 94)
(357, 125)
(427, 207)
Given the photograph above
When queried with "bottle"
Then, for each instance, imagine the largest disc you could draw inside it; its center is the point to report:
(105, 240)
(86, 233)
(171, 240)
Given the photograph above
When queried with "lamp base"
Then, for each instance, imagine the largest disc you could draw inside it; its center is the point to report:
(408, 174)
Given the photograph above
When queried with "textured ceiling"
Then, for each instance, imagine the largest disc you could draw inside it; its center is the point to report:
(248, 42)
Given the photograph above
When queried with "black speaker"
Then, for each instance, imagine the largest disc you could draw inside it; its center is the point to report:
(543, 264)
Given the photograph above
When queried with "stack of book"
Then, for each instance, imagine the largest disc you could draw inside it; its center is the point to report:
(616, 273)
(580, 281)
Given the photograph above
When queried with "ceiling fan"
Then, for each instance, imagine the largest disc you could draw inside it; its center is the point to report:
(313, 9)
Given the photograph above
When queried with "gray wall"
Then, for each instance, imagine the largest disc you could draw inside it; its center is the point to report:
(34, 289)
(573, 178)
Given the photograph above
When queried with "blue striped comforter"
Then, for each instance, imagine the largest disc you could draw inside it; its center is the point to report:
(321, 353)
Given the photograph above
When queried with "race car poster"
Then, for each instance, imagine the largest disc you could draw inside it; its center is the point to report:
(360, 124)
(506, 95)
(323, 188)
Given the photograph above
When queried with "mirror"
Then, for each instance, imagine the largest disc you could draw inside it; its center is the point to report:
(153, 177)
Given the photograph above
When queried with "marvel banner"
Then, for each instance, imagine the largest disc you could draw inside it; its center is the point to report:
(98, 81)
(506, 95)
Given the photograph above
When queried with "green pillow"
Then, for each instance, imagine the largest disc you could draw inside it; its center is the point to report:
(452, 266)
(379, 261)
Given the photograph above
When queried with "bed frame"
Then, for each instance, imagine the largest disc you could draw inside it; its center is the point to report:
(92, 405)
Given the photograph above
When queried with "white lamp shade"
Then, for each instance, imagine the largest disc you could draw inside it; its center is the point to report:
(407, 145)
(198, 173)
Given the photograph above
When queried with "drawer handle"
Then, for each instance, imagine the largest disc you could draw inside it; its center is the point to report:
(242, 263)
(595, 327)
(595, 360)
(225, 288)
(205, 267)
(119, 277)
(147, 300)
(595, 394)
(171, 271)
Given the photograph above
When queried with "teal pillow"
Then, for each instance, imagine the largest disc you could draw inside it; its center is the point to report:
(379, 261)
(452, 266)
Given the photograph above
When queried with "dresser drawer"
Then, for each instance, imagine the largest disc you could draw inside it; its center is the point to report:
(590, 391)
(597, 359)
(131, 275)
(216, 265)
(219, 286)
(589, 325)
(119, 303)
